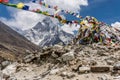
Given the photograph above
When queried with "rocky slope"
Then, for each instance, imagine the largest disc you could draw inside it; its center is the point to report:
(47, 33)
(72, 62)
(13, 46)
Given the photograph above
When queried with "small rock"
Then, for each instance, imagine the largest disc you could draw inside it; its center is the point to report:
(72, 62)
(93, 51)
(104, 77)
(90, 50)
(55, 71)
(0, 67)
(5, 63)
(68, 75)
(54, 55)
(110, 62)
(93, 62)
(118, 72)
(75, 68)
(1, 75)
(85, 62)
(63, 74)
(104, 54)
(68, 56)
(100, 69)
(12, 78)
(117, 66)
(28, 51)
(58, 46)
(10, 69)
(6, 77)
(29, 58)
(84, 69)
(117, 78)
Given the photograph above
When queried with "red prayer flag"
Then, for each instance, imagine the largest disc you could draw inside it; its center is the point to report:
(5, 1)
(1, 1)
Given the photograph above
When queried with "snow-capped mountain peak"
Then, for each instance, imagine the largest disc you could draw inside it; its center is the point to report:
(47, 33)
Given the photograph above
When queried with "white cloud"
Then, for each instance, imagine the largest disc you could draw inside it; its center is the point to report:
(25, 20)
(72, 5)
(116, 25)
(70, 29)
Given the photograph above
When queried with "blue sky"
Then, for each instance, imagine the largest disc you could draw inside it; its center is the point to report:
(104, 10)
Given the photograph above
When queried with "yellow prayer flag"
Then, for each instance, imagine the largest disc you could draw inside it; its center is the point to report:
(46, 5)
(20, 5)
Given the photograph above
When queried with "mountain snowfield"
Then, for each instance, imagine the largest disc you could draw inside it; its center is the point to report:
(48, 33)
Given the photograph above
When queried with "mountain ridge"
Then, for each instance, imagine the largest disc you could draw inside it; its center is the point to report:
(13, 44)
(46, 33)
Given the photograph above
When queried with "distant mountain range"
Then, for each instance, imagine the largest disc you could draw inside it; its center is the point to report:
(47, 33)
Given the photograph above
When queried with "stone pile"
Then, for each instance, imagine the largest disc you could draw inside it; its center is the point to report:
(67, 62)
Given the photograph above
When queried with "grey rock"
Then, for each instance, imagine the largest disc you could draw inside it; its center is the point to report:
(110, 62)
(69, 75)
(1, 75)
(93, 51)
(117, 78)
(68, 56)
(12, 78)
(90, 50)
(104, 77)
(64, 74)
(84, 69)
(102, 53)
(10, 69)
(93, 62)
(117, 66)
(0, 67)
(55, 71)
(54, 55)
(28, 58)
(5, 63)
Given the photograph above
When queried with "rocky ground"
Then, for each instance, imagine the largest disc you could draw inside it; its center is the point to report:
(76, 62)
